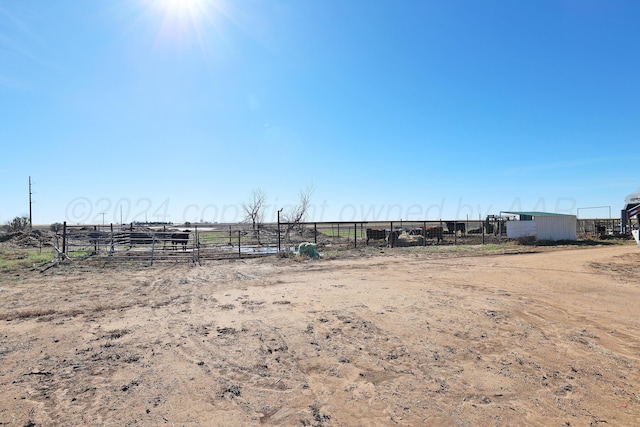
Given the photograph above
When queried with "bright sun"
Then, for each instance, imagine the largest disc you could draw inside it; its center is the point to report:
(183, 8)
(187, 23)
(182, 19)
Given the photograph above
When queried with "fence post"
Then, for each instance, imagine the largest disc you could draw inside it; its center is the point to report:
(64, 237)
(193, 245)
(198, 243)
(111, 248)
(239, 252)
(391, 240)
(315, 233)
(279, 230)
(55, 245)
(455, 232)
(259, 226)
(153, 246)
(355, 234)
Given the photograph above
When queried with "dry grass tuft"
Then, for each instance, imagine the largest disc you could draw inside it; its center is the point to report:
(27, 314)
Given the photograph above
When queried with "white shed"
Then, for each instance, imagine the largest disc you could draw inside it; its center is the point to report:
(542, 226)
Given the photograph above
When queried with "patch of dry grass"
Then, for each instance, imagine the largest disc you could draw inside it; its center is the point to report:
(27, 314)
(15, 259)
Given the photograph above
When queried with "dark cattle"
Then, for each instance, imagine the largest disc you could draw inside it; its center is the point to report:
(434, 232)
(163, 236)
(180, 239)
(429, 232)
(376, 234)
(454, 227)
(392, 237)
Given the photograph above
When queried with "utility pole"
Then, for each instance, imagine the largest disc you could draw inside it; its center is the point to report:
(30, 212)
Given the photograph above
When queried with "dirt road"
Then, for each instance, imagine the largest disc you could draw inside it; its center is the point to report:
(402, 338)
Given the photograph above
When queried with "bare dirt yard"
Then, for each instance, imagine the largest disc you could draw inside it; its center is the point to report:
(377, 338)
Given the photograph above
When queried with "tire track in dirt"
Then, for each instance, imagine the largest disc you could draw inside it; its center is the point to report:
(538, 339)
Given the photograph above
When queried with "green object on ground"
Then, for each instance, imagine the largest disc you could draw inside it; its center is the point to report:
(308, 249)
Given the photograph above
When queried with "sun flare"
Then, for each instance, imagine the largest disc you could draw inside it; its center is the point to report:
(183, 8)
(183, 21)
(183, 25)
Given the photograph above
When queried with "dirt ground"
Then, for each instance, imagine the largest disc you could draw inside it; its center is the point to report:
(402, 337)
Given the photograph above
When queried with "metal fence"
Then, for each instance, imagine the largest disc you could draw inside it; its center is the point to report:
(343, 235)
(596, 228)
(159, 244)
(195, 243)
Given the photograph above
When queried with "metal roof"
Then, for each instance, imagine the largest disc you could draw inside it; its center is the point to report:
(535, 213)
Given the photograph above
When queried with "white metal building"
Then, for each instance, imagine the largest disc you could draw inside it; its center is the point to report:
(542, 226)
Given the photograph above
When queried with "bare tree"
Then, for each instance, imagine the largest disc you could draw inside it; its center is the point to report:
(298, 213)
(254, 208)
(19, 223)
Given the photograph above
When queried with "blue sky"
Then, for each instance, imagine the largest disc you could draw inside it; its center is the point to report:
(178, 110)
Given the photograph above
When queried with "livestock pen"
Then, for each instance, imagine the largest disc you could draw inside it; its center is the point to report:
(197, 242)
(401, 233)
(600, 228)
(159, 244)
